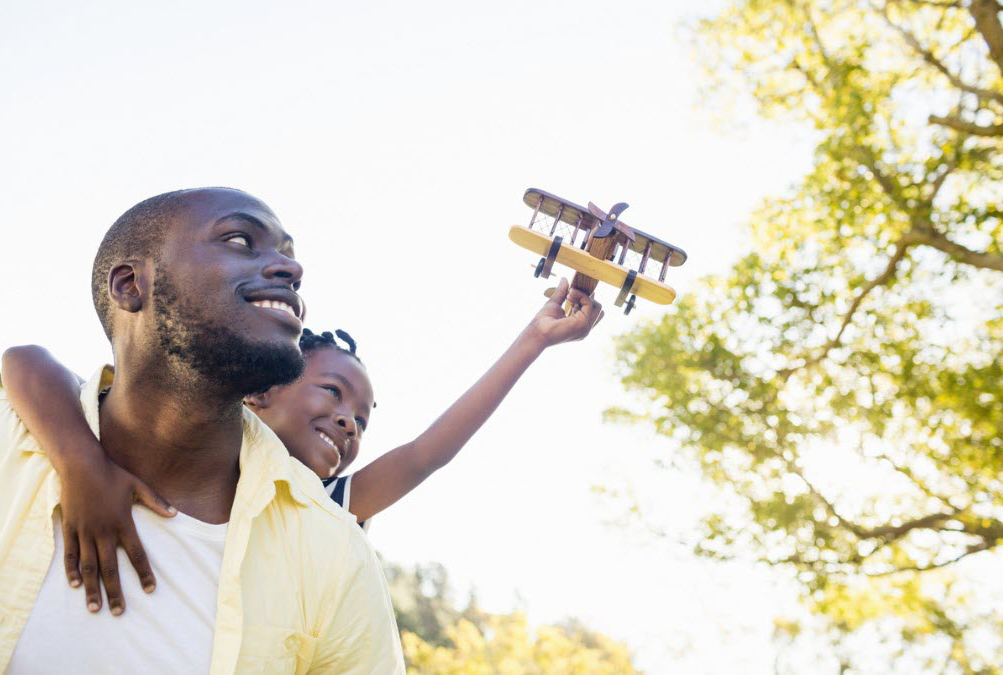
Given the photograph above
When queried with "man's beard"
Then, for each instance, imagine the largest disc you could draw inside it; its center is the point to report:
(221, 355)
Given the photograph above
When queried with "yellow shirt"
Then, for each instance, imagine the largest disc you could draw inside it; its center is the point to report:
(300, 588)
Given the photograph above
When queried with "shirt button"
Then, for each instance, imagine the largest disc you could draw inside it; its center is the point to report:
(291, 643)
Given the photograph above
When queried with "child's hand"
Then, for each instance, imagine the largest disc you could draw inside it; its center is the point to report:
(555, 327)
(96, 505)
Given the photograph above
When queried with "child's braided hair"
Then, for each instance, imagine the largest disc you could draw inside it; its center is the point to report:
(310, 341)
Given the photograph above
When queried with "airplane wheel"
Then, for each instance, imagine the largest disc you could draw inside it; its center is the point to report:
(539, 267)
(630, 304)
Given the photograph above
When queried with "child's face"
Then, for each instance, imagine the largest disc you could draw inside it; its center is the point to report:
(331, 402)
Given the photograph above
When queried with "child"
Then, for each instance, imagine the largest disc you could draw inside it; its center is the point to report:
(320, 418)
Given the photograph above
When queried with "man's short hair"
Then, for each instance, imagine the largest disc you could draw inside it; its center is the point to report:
(137, 234)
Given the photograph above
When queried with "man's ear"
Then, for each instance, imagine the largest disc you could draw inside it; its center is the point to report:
(258, 401)
(127, 285)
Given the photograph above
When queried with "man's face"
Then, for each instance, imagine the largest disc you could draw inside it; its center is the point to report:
(224, 293)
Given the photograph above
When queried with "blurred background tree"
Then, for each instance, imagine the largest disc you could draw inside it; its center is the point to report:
(843, 379)
(439, 639)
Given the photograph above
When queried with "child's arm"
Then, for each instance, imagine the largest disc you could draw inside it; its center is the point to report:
(97, 495)
(391, 476)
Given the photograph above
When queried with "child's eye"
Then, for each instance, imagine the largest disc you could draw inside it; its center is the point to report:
(361, 423)
(240, 239)
(335, 391)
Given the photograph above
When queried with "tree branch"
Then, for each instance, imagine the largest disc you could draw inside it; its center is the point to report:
(901, 248)
(924, 232)
(905, 471)
(815, 36)
(986, 15)
(946, 4)
(938, 182)
(890, 532)
(866, 156)
(974, 548)
(931, 237)
(931, 59)
(967, 127)
(886, 533)
(988, 529)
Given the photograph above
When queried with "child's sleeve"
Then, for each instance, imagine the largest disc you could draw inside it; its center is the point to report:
(340, 490)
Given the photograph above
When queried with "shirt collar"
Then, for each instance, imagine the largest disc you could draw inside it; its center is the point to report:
(264, 461)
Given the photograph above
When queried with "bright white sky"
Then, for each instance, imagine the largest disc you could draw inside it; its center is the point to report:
(394, 140)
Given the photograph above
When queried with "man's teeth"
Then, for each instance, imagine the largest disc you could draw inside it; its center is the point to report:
(324, 437)
(275, 304)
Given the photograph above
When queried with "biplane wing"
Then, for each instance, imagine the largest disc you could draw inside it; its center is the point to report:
(601, 270)
(660, 250)
(599, 246)
(561, 210)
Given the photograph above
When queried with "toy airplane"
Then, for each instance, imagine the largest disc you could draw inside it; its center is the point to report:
(609, 251)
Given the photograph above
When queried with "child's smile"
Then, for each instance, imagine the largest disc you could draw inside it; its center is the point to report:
(321, 417)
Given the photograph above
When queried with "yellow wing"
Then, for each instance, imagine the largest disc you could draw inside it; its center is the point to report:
(601, 270)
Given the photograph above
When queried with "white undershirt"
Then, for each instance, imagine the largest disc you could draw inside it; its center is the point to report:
(168, 631)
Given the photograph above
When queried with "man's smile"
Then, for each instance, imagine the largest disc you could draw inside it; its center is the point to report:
(283, 303)
(276, 304)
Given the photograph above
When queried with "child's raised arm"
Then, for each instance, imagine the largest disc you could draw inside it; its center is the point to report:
(391, 476)
(97, 495)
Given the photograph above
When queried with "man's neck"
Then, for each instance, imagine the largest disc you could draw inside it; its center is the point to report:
(185, 444)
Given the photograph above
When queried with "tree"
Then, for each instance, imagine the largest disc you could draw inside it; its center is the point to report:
(438, 639)
(507, 645)
(423, 602)
(844, 378)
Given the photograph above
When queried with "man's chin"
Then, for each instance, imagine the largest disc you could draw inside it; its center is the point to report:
(219, 351)
(226, 361)
(261, 366)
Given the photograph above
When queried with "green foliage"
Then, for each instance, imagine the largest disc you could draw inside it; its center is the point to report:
(422, 601)
(844, 377)
(507, 645)
(438, 639)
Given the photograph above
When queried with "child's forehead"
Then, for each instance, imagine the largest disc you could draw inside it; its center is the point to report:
(333, 361)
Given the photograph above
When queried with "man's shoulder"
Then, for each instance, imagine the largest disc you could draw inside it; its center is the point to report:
(325, 514)
(311, 491)
(323, 536)
(325, 526)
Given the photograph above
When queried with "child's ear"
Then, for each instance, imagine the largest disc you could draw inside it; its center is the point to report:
(258, 401)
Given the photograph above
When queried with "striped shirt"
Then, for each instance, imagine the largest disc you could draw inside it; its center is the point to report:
(340, 489)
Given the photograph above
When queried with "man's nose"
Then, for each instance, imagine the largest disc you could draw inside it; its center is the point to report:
(347, 425)
(283, 267)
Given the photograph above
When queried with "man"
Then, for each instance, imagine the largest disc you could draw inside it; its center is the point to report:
(258, 572)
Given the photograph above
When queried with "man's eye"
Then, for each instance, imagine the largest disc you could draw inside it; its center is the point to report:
(240, 239)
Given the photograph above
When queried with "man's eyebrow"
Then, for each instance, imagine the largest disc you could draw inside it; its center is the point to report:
(257, 222)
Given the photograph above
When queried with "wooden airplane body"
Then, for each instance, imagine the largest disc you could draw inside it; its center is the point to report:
(610, 251)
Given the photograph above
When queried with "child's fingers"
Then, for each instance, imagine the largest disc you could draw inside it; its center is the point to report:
(151, 500)
(108, 565)
(578, 298)
(137, 556)
(592, 312)
(585, 312)
(560, 293)
(89, 573)
(71, 555)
